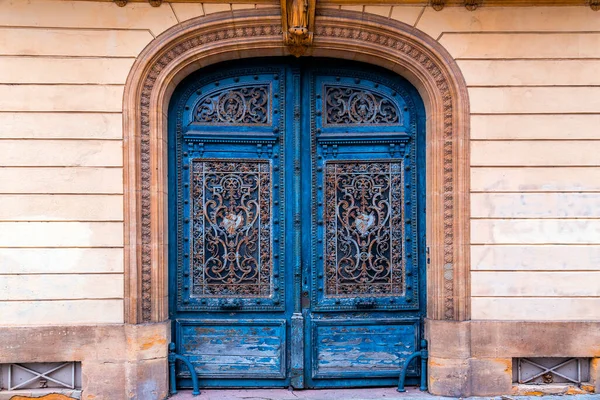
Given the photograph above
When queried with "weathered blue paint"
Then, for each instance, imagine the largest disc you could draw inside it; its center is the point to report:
(298, 329)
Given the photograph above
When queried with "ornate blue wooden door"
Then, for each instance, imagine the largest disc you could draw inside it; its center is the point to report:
(296, 214)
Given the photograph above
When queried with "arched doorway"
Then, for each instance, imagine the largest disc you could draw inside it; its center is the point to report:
(237, 35)
(297, 223)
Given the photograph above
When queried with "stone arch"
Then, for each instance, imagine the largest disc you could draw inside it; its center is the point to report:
(199, 42)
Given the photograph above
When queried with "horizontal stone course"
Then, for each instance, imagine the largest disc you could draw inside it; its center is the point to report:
(73, 125)
(61, 153)
(532, 258)
(61, 234)
(56, 207)
(61, 260)
(72, 42)
(535, 205)
(61, 287)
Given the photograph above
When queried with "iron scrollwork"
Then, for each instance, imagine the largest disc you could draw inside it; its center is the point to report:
(363, 228)
(231, 228)
(246, 105)
(348, 105)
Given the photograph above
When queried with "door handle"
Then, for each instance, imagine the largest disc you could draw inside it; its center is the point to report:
(230, 304)
(365, 303)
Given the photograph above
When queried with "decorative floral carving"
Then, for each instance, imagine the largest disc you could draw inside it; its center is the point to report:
(363, 228)
(231, 228)
(347, 105)
(246, 105)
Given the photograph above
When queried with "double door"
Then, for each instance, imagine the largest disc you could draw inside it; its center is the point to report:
(296, 209)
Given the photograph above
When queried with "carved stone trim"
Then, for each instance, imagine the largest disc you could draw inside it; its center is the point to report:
(297, 22)
(342, 34)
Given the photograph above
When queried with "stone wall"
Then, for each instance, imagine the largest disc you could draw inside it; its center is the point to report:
(535, 188)
(535, 102)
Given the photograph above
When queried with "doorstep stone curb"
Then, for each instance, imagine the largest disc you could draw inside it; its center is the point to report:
(352, 394)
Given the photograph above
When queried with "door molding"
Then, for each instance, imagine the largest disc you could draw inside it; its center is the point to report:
(202, 41)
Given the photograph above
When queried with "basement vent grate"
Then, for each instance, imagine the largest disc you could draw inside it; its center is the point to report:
(19, 376)
(548, 370)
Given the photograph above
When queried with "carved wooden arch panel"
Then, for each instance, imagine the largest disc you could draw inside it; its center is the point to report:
(248, 33)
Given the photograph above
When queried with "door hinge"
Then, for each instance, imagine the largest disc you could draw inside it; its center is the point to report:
(427, 255)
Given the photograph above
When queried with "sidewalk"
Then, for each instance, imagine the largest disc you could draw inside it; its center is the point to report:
(345, 394)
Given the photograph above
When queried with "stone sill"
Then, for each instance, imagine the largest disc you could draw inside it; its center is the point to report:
(550, 389)
(35, 393)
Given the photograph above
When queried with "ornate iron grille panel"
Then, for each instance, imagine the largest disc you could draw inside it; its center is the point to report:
(363, 228)
(231, 228)
(348, 105)
(245, 105)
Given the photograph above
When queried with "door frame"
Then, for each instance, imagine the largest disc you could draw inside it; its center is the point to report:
(231, 35)
(297, 86)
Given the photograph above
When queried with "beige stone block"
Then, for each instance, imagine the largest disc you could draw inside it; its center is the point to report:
(61, 98)
(72, 42)
(448, 377)
(407, 14)
(104, 380)
(61, 153)
(242, 6)
(64, 70)
(211, 8)
(151, 379)
(522, 339)
(535, 205)
(530, 72)
(490, 376)
(541, 179)
(544, 126)
(61, 234)
(148, 341)
(448, 339)
(535, 309)
(61, 125)
(185, 11)
(70, 180)
(83, 14)
(535, 284)
(535, 153)
(382, 10)
(535, 231)
(61, 287)
(61, 260)
(522, 45)
(61, 208)
(352, 7)
(61, 312)
(528, 258)
(526, 100)
(519, 19)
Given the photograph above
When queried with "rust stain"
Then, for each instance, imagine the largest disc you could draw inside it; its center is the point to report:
(533, 393)
(575, 390)
(434, 364)
(51, 396)
(153, 341)
(588, 388)
(507, 363)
